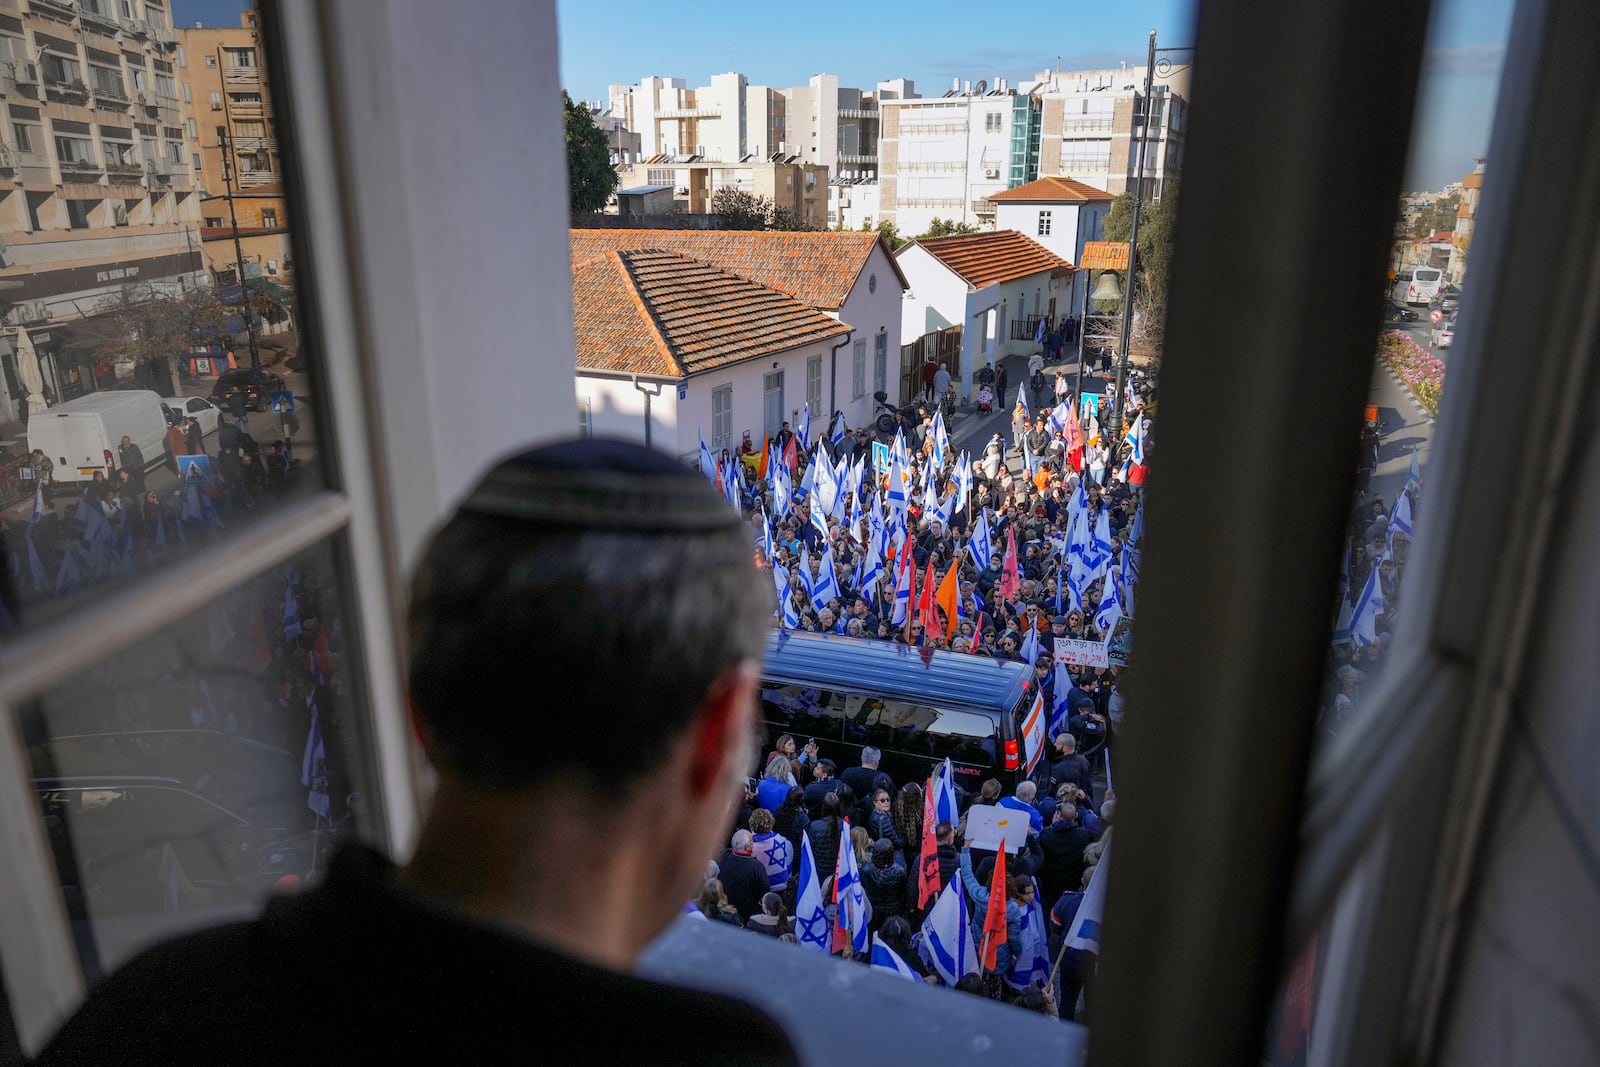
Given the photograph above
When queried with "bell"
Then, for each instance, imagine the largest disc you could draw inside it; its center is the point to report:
(1107, 288)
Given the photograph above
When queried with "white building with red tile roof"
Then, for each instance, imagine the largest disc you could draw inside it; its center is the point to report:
(995, 285)
(1061, 214)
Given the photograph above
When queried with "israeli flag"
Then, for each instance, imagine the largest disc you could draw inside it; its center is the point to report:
(1060, 416)
(38, 502)
(1364, 614)
(947, 936)
(1032, 963)
(1038, 332)
(838, 430)
(849, 897)
(809, 478)
(1413, 475)
(1061, 712)
(1136, 531)
(1110, 606)
(708, 466)
(810, 917)
(902, 589)
(885, 958)
(819, 514)
(872, 563)
(782, 493)
(1030, 646)
(963, 480)
(944, 794)
(791, 615)
(980, 544)
(1400, 518)
(1084, 933)
(895, 500)
(941, 440)
(1029, 462)
(1022, 398)
(777, 856)
(826, 586)
(1135, 438)
(805, 426)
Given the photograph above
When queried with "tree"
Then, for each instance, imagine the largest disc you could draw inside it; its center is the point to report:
(590, 179)
(144, 323)
(888, 231)
(741, 210)
(1439, 216)
(942, 228)
(1157, 225)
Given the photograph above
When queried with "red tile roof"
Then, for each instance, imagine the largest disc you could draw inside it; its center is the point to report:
(998, 256)
(817, 268)
(1051, 190)
(651, 311)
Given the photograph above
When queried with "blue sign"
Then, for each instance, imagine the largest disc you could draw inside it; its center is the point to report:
(881, 460)
(194, 470)
(1090, 405)
(683, 390)
(283, 402)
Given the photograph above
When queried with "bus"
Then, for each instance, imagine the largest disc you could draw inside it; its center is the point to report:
(1418, 285)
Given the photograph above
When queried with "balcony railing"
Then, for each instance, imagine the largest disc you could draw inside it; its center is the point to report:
(690, 113)
(858, 112)
(238, 74)
(94, 20)
(982, 207)
(130, 169)
(59, 10)
(82, 166)
(74, 92)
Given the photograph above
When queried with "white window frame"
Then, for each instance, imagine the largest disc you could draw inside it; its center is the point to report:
(377, 535)
(722, 417)
(1044, 223)
(858, 369)
(880, 363)
(814, 388)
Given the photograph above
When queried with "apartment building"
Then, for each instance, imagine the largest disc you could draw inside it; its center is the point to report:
(621, 142)
(1091, 126)
(234, 150)
(1466, 220)
(942, 157)
(97, 195)
(786, 180)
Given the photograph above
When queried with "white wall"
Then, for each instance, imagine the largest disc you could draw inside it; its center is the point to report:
(1070, 226)
(861, 206)
(616, 409)
(870, 313)
(447, 300)
(693, 413)
(941, 171)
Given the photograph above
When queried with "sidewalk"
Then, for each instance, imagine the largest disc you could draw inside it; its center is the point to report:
(971, 430)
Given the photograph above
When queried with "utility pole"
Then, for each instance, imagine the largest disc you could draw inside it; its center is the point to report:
(238, 248)
(1114, 443)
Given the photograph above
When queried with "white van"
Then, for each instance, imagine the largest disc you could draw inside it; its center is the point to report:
(1421, 287)
(78, 434)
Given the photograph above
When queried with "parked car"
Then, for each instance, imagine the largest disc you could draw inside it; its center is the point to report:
(1401, 313)
(197, 408)
(1448, 300)
(257, 383)
(1444, 333)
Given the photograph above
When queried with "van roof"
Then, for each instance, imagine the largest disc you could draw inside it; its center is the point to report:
(893, 669)
(103, 401)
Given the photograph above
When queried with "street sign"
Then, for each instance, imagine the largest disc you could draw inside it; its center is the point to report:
(683, 390)
(194, 470)
(283, 402)
(881, 459)
(1104, 255)
(1089, 404)
(1435, 314)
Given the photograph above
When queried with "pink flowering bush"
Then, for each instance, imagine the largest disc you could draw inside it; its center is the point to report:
(1417, 368)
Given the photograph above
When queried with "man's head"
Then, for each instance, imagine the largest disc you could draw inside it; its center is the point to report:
(944, 833)
(743, 842)
(647, 574)
(870, 757)
(126, 440)
(1066, 744)
(823, 769)
(1026, 791)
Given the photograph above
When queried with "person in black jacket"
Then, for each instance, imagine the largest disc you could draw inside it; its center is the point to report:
(824, 784)
(744, 878)
(884, 880)
(861, 778)
(1062, 843)
(824, 835)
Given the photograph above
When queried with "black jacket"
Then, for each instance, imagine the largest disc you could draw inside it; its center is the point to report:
(860, 780)
(363, 969)
(886, 891)
(824, 835)
(745, 881)
(814, 794)
(1063, 845)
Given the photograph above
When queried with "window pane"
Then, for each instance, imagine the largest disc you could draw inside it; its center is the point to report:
(187, 778)
(112, 346)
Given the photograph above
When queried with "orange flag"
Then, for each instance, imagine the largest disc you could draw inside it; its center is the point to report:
(766, 451)
(949, 592)
(994, 919)
(1010, 584)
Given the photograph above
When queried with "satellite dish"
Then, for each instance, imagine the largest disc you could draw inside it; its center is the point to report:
(980, 88)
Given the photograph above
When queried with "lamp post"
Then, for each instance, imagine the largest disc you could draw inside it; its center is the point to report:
(1114, 441)
(238, 248)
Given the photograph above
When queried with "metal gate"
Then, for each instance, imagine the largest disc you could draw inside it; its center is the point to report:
(943, 345)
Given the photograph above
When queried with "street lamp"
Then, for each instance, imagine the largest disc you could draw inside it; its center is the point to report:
(238, 248)
(1105, 290)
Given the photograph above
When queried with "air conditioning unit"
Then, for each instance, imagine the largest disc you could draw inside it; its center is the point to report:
(24, 71)
(683, 190)
(991, 172)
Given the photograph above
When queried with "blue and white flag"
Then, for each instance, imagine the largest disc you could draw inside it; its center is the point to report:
(1030, 646)
(902, 588)
(885, 958)
(1413, 475)
(708, 466)
(1400, 518)
(809, 478)
(1061, 691)
(1032, 962)
(41, 580)
(963, 480)
(838, 429)
(38, 502)
(782, 491)
(1038, 332)
(777, 856)
(941, 441)
(947, 936)
(1364, 614)
(791, 616)
(1030, 462)
(1060, 416)
(1084, 933)
(980, 544)
(810, 916)
(819, 514)
(804, 433)
(826, 585)
(766, 535)
(871, 567)
(849, 897)
(944, 794)
(895, 496)
(1110, 605)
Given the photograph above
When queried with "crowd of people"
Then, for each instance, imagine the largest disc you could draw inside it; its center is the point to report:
(1036, 540)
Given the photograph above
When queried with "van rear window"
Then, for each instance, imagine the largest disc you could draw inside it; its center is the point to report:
(1427, 275)
(921, 732)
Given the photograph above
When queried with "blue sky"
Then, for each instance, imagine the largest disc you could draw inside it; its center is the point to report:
(932, 41)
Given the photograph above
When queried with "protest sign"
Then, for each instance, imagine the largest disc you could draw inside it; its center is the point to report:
(1080, 653)
(987, 824)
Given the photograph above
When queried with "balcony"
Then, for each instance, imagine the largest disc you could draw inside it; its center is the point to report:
(983, 209)
(690, 113)
(68, 92)
(235, 74)
(81, 167)
(858, 112)
(57, 10)
(164, 35)
(111, 95)
(96, 22)
(129, 169)
(846, 157)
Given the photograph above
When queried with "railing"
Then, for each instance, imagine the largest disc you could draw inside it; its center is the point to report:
(87, 14)
(690, 113)
(1079, 125)
(858, 112)
(982, 207)
(129, 168)
(60, 10)
(239, 74)
(72, 90)
(1024, 329)
(83, 165)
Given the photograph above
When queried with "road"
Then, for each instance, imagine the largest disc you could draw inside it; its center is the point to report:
(1406, 429)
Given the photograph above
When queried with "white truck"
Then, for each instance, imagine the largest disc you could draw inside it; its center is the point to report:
(79, 434)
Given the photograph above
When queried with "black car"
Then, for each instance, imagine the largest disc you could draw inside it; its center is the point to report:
(1401, 313)
(256, 383)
